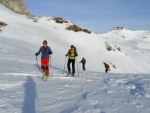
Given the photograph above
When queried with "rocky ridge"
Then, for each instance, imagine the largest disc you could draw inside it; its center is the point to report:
(17, 6)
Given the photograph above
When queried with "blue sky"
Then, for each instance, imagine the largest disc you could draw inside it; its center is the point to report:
(96, 15)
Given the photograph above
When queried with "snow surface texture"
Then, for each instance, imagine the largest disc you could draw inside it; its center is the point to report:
(90, 93)
(21, 91)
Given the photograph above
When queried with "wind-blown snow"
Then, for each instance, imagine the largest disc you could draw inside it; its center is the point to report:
(21, 91)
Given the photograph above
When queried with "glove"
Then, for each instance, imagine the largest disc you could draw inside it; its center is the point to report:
(50, 53)
(36, 54)
(66, 55)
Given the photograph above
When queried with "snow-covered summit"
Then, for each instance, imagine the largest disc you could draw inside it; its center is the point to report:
(121, 32)
(119, 28)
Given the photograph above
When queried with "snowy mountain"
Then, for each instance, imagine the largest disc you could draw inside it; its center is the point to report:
(134, 47)
(93, 91)
(61, 34)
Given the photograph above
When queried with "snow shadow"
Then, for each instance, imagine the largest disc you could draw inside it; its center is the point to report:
(70, 109)
(30, 96)
(56, 68)
(51, 67)
(137, 88)
(38, 67)
(59, 70)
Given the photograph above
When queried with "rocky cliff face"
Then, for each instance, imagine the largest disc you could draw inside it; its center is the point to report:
(16, 5)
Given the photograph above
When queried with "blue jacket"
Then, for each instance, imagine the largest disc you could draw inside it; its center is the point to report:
(45, 52)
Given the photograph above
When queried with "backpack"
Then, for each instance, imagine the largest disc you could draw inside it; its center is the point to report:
(75, 50)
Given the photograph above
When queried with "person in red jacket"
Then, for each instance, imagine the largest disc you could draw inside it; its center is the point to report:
(106, 67)
(45, 51)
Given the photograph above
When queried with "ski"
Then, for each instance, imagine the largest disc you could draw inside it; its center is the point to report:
(69, 75)
(45, 77)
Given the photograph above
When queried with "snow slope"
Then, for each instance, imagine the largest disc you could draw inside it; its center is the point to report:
(21, 91)
(23, 33)
(134, 46)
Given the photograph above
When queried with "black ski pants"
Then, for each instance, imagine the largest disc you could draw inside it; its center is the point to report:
(83, 66)
(73, 65)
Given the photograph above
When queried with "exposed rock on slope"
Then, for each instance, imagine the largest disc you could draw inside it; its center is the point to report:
(59, 20)
(75, 28)
(2, 24)
(72, 27)
(118, 28)
(16, 5)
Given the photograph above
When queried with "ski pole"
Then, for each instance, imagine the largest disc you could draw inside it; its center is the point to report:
(50, 60)
(64, 65)
(36, 59)
(37, 65)
(50, 66)
(77, 67)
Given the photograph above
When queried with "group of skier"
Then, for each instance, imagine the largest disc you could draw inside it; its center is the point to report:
(46, 51)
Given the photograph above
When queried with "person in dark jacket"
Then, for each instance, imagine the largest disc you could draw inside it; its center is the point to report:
(83, 61)
(106, 67)
(45, 51)
(72, 53)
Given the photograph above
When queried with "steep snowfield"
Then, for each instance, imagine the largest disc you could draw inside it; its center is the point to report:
(21, 91)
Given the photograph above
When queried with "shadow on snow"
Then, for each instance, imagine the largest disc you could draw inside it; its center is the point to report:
(30, 95)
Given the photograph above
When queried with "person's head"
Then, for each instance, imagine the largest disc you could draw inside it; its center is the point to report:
(44, 43)
(72, 47)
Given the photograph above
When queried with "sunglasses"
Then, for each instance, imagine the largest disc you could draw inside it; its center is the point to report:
(44, 43)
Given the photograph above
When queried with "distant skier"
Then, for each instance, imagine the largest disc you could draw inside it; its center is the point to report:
(45, 51)
(106, 67)
(83, 61)
(72, 53)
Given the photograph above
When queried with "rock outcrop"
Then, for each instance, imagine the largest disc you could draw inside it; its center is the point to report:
(2, 24)
(118, 28)
(75, 28)
(16, 5)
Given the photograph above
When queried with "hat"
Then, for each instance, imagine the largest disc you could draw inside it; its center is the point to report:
(72, 46)
(45, 42)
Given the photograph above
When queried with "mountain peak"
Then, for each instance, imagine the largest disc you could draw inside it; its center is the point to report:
(119, 28)
(17, 6)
